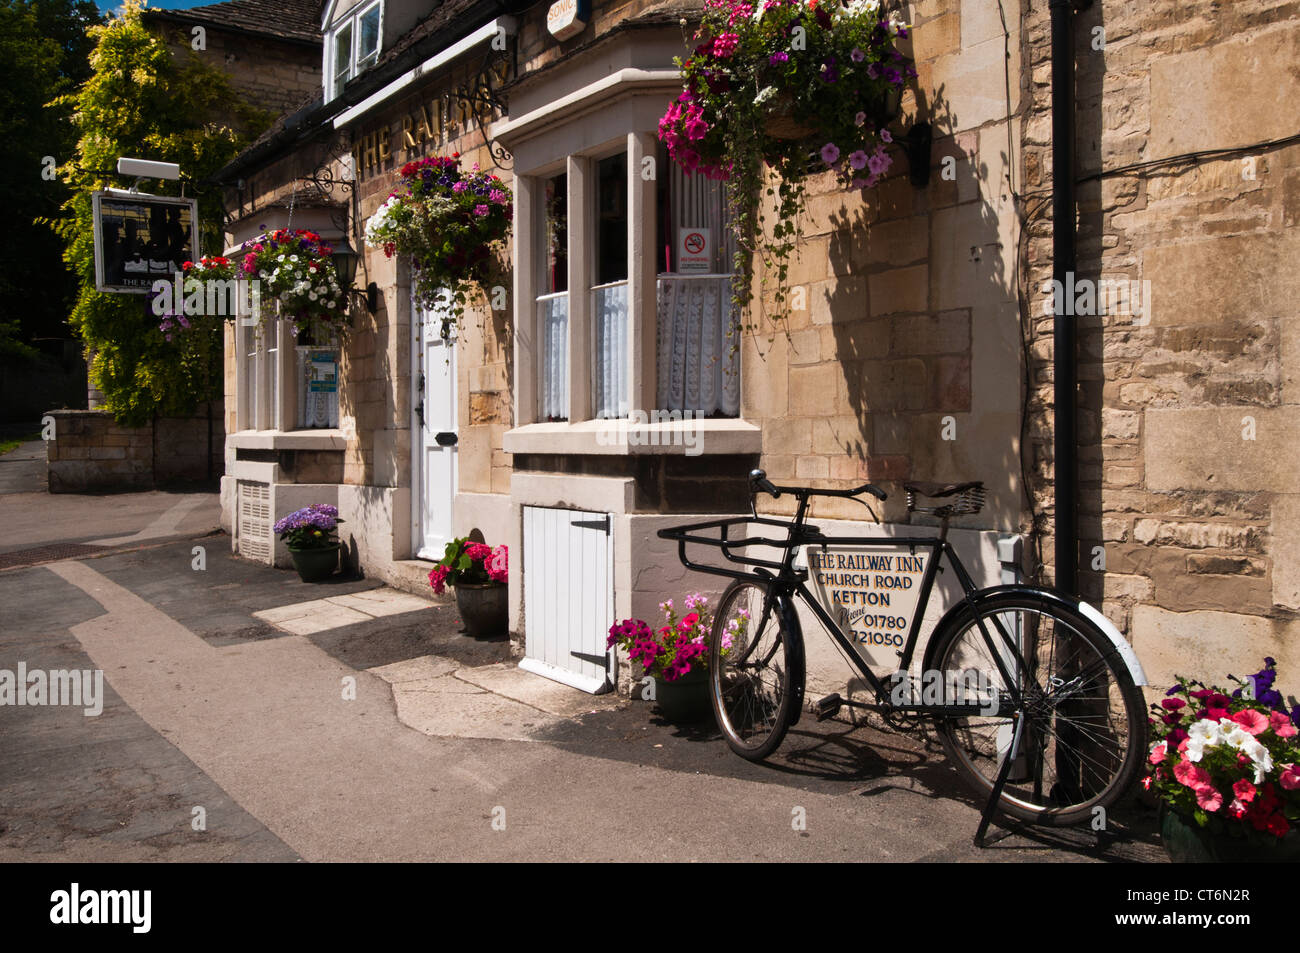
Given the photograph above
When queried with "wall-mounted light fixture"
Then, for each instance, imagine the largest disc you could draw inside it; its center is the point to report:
(345, 263)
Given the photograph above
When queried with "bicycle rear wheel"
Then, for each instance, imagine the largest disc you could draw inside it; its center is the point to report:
(750, 671)
(1084, 724)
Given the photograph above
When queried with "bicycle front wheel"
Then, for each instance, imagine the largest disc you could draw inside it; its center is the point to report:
(1084, 725)
(750, 671)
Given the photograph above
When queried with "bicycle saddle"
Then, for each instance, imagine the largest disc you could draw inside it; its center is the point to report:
(939, 490)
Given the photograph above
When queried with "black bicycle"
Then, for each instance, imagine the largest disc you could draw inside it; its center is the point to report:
(1034, 692)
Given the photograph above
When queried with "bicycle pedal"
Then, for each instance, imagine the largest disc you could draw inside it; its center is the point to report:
(827, 707)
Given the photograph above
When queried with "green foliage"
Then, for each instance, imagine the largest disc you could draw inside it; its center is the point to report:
(43, 52)
(143, 100)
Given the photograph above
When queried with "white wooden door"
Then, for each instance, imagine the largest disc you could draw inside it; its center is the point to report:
(433, 428)
(568, 596)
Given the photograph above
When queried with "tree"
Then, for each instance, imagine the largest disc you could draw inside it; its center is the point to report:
(44, 52)
(142, 100)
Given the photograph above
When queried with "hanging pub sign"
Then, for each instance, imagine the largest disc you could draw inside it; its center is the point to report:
(568, 18)
(141, 238)
(872, 592)
(694, 251)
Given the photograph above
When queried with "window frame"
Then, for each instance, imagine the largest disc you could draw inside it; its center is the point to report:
(357, 64)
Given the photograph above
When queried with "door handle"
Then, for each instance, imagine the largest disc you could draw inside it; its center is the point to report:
(445, 439)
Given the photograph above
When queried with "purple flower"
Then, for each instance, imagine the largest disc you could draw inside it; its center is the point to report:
(857, 55)
(481, 210)
(780, 56)
(878, 163)
(830, 153)
(830, 74)
(886, 136)
(858, 160)
(873, 70)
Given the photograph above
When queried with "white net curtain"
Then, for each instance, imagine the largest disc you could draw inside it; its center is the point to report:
(699, 369)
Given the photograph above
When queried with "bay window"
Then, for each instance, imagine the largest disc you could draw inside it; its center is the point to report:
(603, 227)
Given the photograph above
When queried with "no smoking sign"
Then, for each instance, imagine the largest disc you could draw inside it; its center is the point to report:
(694, 251)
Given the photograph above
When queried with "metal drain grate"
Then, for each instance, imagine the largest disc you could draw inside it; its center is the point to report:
(48, 554)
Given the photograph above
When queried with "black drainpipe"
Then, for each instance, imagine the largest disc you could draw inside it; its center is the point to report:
(1064, 370)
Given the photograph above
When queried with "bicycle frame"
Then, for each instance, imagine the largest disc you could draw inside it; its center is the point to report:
(789, 580)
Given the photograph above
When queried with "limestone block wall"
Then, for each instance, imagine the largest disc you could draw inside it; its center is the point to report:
(90, 451)
(905, 361)
(1188, 411)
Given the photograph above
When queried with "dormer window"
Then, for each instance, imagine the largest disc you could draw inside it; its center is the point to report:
(352, 46)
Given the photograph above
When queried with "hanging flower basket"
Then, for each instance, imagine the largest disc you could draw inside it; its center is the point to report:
(451, 223)
(770, 84)
(781, 123)
(294, 278)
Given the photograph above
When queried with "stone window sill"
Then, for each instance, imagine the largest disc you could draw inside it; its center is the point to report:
(728, 435)
(288, 440)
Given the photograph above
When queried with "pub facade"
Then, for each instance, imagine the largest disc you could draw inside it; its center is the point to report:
(597, 391)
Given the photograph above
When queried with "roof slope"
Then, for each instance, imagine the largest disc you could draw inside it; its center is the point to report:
(285, 19)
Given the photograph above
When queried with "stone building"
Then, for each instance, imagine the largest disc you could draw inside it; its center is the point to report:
(923, 352)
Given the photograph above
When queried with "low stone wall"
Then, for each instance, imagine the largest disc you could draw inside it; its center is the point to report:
(90, 451)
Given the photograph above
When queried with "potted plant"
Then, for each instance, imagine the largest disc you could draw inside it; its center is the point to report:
(1225, 768)
(310, 536)
(790, 86)
(675, 655)
(479, 573)
(448, 221)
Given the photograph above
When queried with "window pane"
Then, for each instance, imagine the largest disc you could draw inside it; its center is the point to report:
(697, 203)
(555, 235)
(611, 219)
(343, 52)
(369, 35)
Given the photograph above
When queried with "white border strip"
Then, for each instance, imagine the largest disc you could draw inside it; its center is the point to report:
(482, 34)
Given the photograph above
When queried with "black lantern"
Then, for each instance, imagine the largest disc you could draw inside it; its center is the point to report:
(345, 264)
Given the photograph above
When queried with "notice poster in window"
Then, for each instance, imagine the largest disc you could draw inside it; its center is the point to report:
(694, 251)
(321, 405)
(871, 592)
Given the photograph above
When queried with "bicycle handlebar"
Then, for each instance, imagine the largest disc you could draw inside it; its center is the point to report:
(758, 482)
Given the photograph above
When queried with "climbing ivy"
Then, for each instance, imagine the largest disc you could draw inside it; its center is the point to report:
(146, 100)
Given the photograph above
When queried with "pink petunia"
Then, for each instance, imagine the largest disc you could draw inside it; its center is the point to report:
(1158, 753)
(1244, 790)
(1281, 725)
(1191, 775)
(1253, 722)
(1290, 777)
(1208, 797)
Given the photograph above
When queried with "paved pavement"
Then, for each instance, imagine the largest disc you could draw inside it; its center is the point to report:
(248, 716)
